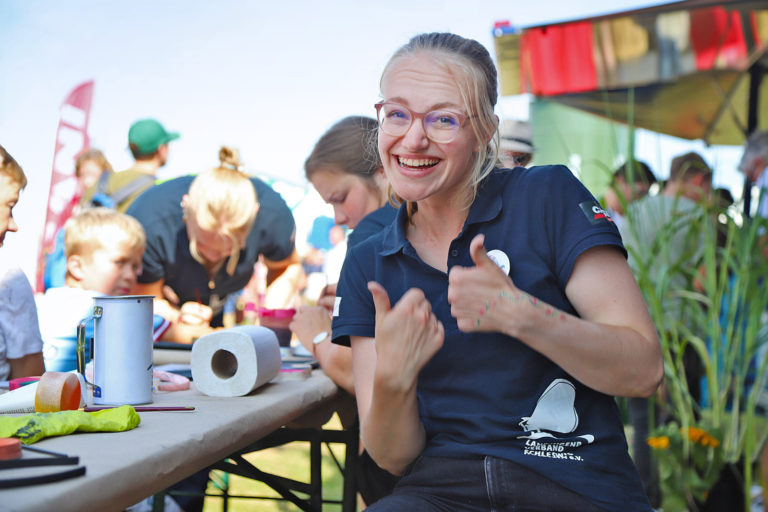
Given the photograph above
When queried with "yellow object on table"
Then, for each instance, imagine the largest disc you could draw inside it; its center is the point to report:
(33, 427)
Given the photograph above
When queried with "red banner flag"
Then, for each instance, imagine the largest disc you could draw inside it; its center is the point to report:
(71, 140)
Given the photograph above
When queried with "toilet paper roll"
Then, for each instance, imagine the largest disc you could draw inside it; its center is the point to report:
(235, 361)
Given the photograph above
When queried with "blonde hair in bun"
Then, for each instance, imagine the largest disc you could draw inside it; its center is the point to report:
(223, 200)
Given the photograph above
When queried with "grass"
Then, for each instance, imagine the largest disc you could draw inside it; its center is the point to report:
(290, 461)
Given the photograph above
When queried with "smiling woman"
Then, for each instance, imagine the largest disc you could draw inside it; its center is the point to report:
(485, 377)
(444, 120)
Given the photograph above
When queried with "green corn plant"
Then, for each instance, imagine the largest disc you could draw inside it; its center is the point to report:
(709, 300)
(707, 296)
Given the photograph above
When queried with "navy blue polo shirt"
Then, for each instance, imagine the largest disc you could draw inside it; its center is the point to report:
(167, 254)
(487, 393)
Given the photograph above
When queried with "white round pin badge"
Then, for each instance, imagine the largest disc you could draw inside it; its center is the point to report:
(501, 259)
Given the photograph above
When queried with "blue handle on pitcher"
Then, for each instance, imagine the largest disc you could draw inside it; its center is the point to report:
(97, 312)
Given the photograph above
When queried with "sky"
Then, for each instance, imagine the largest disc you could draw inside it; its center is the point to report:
(267, 78)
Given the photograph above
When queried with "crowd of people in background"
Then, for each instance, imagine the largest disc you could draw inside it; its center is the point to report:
(470, 318)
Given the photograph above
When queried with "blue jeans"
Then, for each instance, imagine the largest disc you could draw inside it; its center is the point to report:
(490, 484)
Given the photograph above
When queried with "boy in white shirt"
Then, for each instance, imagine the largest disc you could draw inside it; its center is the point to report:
(20, 342)
(103, 249)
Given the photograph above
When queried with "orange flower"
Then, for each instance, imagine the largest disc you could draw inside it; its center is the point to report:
(659, 443)
(708, 440)
(695, 434)
(701, 436)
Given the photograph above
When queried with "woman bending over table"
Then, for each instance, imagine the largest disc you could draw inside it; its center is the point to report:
(204, 236)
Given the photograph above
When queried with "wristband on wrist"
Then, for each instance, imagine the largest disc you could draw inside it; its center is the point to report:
(319, 338)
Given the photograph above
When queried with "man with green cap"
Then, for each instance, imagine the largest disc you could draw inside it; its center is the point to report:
(148, 141)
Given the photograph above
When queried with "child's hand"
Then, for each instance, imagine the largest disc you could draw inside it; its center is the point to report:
(166, 310)
(194, 313)
(170, 295)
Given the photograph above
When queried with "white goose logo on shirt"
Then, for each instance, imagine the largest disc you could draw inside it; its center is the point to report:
(555, 411)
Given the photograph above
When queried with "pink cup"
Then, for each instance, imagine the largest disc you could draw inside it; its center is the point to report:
(278, 320)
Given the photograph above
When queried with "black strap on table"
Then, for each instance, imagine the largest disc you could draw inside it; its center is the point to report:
(56, 460)
(6, 483)
(38, 461)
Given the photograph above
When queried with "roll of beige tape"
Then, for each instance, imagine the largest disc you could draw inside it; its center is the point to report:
(57, 391)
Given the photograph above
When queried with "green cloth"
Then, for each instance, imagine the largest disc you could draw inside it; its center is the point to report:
(33, 427)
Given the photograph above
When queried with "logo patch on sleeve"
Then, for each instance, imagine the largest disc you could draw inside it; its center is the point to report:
(594, 212)
(336, 305)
